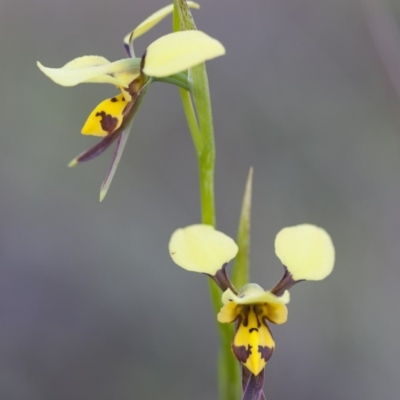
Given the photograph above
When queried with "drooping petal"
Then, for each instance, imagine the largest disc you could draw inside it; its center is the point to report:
(201, 248)
(306, 251)
(276, 313)
(253, 344)
(254, 294)
(254, 388)
(120, 133)
(96, 150)
(179, 51)
(149, 23)
(228, 313)
(106, 117)
(114, 164)
(94, 69)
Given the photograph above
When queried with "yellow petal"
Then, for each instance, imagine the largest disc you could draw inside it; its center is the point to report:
(306, 251)
(253, 343)
(153, 20)
(276, 313)
(201, 248)
(94, 69)
(254, 294)
(178, 51)
(228, 313)
(106, 117)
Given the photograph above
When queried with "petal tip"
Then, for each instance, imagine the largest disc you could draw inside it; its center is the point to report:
(102, 195)
(73, 163)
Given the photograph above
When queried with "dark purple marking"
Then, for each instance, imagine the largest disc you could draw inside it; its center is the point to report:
(265, 352)
(108, 122)
(241, 353)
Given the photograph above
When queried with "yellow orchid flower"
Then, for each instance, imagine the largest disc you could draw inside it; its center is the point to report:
(306, 252)
(166, 59)
(252, 308)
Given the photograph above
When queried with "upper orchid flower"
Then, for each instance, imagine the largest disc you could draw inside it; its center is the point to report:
(166, 59)
(306, 252)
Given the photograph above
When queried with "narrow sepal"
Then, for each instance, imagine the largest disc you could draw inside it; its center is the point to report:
(96, 150)
(240, 271)
(254, 388)
(245, 379)
(116, 158)
(148, 24)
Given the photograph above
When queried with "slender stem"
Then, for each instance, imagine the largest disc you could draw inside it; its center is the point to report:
(202, 131)
(191, 119)
(177, 79)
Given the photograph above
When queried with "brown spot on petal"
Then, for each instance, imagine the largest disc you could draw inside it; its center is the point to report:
(265, 352)
(241, 353)
(108, 122)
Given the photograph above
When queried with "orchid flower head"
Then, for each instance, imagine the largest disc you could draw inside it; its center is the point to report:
(169, 55)
(306, 252)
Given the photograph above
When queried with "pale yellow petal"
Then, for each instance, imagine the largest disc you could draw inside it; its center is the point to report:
(86, 61)
(106, 117)
(201, 248)
(94, 69)
(153, 20)
(179, 51)
(254, 294)
(276, 313)
(228, 313)
(306, 251)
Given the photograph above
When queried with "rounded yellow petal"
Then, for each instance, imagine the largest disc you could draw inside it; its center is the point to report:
(153, 20)
(306, 251)
(106, 117)
(200, 248)
(276, 313)
(228, 313)
(178, 51)
(254, 294)
(94, 69)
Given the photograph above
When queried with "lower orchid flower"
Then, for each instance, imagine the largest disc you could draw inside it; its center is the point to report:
(167, 59)
(306, 252)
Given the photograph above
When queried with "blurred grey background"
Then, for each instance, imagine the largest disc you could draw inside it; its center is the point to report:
(92, 307)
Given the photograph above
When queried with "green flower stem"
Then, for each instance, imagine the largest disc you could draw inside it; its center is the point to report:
(202, 131)
(177, 79)
(191, 119)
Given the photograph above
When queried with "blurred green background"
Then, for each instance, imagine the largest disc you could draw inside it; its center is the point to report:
(91, 305)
